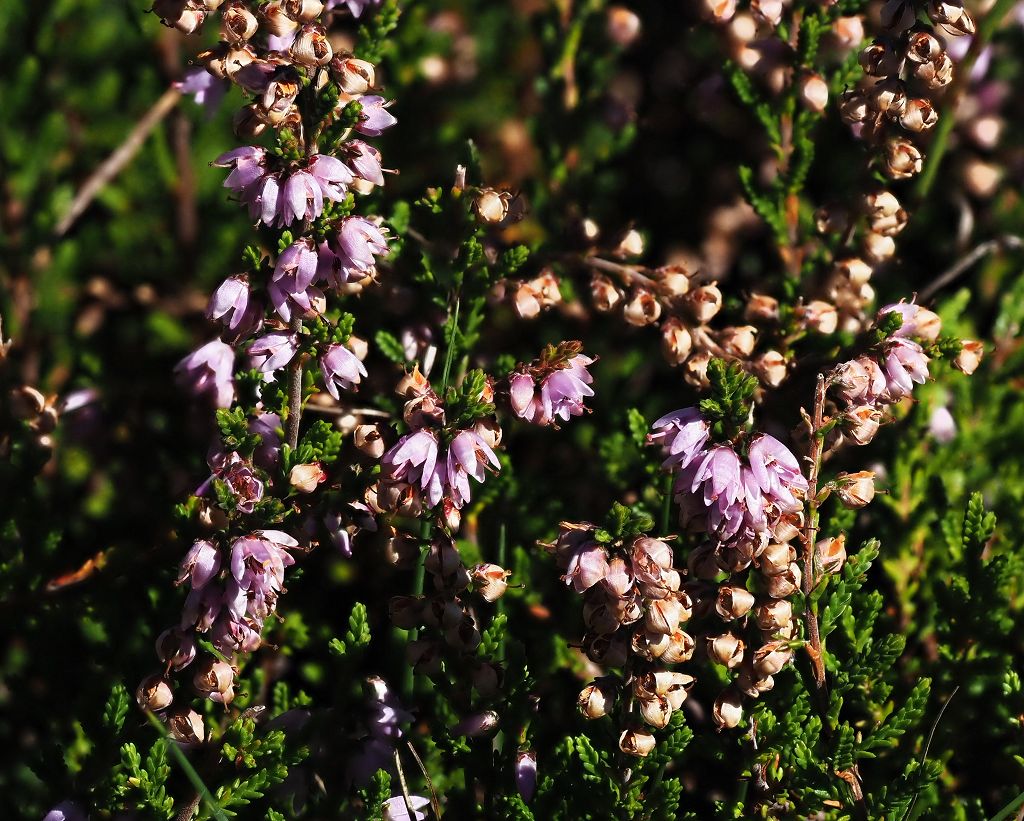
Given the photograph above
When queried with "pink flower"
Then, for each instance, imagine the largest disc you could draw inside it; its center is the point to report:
(200, 565)
(776, 472)
(332, 175)
(301, 199)
(359, 241)
(364, 160)
(468, 455)
(273, 351)
(268, 452)
(941, 425)
(682, 435)
(412, 459)
(905, 364)
(230, 304)
(298, 260)
(588, 566)
(526, 775)
(395, 808)
(203, 87)
(341, 369)
(375, 117)
(208, 371)
(561, 395)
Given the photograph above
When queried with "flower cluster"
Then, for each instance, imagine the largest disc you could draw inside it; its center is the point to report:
(553, 388)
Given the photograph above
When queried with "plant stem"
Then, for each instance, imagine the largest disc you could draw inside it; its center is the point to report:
(452, 338)
(986, 28)
(810, 537)
(294, 393)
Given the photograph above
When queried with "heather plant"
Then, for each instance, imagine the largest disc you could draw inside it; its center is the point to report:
(474, 410)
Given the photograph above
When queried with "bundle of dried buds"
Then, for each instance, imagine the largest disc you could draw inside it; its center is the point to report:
(635, 610)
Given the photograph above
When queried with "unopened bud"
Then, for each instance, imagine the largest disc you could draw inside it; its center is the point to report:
(636, 742)
(276, 21)
(878, 247)
(663, 616)
(369, 440)
(771, 658)
(656, 711)
(853, 107)
(969, 358)
(631, 245)
(680, 648)
(354, 76)
(733, 602)
(937, 73)
(622, 26)
(818, 316)
(491, 206)
(305, 11)
(704, 302)
(856, 490)
(186, 727)
(832, 554)
(154, 693)
(774, 615)
(952, 16)
(215, 679)
(761, 307)
(311, 46)
(861, 423)
(771, 368)
(814, 93)
(902, 159)
(728, 709)
(725, 649)
(237, 23)
(923, 47)
(596, 699)
(738, 341)
(643, 308)
(305, 478)
(604, 293)
(879, 60)
(919, 115)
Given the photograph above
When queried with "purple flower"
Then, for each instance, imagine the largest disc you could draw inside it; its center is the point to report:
(359, 241)
(682, 435)
(468, 455)
(66, 811)
(341, 369)
(587, 566)
(231, 636)
(203, 87)
(202, 606)
(562, 392)
(248, 168)
(331, 174)
(273, 350)
(230, 303)
(298, 260)
(200, 565)
(395, 808)
(364, 160)
(861, 381)
(208, 371)
(356, 7)
(412, 459)
(776, 471)
(375, 116)
(526, 774)
(301, 198)
(941, 425)
(289, 298)
(905, 363)
(268, 452)
(239, 477)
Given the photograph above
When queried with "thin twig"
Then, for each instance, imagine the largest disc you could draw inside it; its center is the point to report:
(435, 804)
(1008, 242)
(629, 273)
(294, 392)
(405, 786)
(810, 537)
(928, 744)
(113, 165)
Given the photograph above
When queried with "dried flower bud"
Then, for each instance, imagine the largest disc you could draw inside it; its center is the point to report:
(814, 92)
(526, 302)
(861, 423)
(406, 612)
(695, 370)
(276, 20)
(609, 651)
(902, 159)
(656, 711)
(856, 490)
(919, 115)
(738, 341)
(725, 649)
(878, 247)
(186, 17)
(622, 26)
(832, 554)
(305, 11)
(849, 31)
(853, 107)
(650, 645)
(631, 245)
(186, 726)
(768, 12)
(663, 616)
(969, 358)
(491, 206)
(818, 316)
(733, 602)
(775, 558)
(596, 699)
(489, 581)
(704, 302)
(636, 742)
(879, 60)
(249, 121)
(604, 293)
(761, 307)
(476, 725)
(26, 402)
(154, 693)
(784, 584)
(673, 281)
(369, 440)
(981, 178)
(771, 658)
(643, 308)
(728, 709)
(465, 635)
(771, 368)
(680, 648)
(311, 46)
(353, 75)
(215, 679)
(889, 96)
(952, 16)
(237, 23)
(937, 73)
(676, 342)
(923, 47)
(305, 478)
(773, 615)
(487, 678)
(787, 527)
